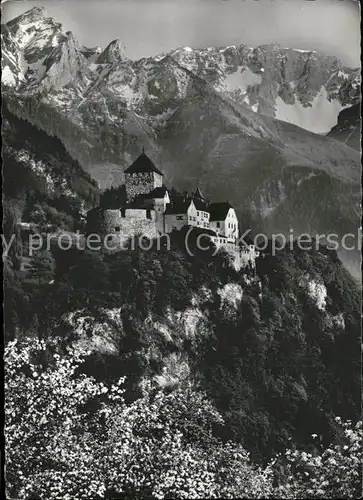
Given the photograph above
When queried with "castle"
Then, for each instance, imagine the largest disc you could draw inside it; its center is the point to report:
(150, 211)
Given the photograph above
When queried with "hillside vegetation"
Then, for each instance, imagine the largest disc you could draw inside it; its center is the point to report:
(277, 352)
(42, 184)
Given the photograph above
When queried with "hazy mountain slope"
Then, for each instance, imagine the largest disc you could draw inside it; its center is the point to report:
(289, 179)
(45, 156)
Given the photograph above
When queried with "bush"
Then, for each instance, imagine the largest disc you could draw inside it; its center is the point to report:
(335, 472)
(68, 436)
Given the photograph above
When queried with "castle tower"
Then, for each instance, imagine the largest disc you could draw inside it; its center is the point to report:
(142, 177)
(198, 194)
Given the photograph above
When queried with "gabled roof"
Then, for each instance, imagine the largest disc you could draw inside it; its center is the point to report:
(158, 192)
(142, 164)
(200, 205)
(178, 207)
(219, 211)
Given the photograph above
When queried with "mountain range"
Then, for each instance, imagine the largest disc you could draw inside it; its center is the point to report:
(273, 130)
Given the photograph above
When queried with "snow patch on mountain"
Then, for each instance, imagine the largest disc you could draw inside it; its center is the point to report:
(127, 93)
(7, 77)
(269, 78)
(241, 80)
(300, 50)
(319, 117)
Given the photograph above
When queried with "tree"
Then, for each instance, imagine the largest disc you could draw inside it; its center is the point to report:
(38, 215)
(89, 276)
(335, 472)
(68, 436)
(43, 266)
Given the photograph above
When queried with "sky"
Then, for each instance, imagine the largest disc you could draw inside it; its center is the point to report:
(149, 27)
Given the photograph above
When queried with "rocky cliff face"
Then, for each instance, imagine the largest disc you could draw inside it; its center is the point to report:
(113, 53)
(52, 57)
(200, 114)
(305, 88)
(348, 128)
(102, 332)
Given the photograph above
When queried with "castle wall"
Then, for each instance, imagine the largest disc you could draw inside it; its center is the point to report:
(202, 219)
(222, 241)
(175, 221)
(140, 213)
(192, 215)
(142, 183)
(159, 207)
(118, 227)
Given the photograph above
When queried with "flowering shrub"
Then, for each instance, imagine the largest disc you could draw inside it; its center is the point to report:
(68, 436)
(334, 473)
(51, 450)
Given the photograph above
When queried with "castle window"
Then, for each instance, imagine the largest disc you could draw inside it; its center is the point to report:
(218, 224)
(197, 213)
(117, 229)
(179, 217)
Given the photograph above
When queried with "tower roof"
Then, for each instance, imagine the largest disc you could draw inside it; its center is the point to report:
(198, 194)
(142, 164)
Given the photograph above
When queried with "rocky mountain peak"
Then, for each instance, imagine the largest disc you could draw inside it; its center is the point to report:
(12, 61)
(33, 27)
(91, 53)
(30, 16)
(40, 54)
(303, 87)
(113, 53)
